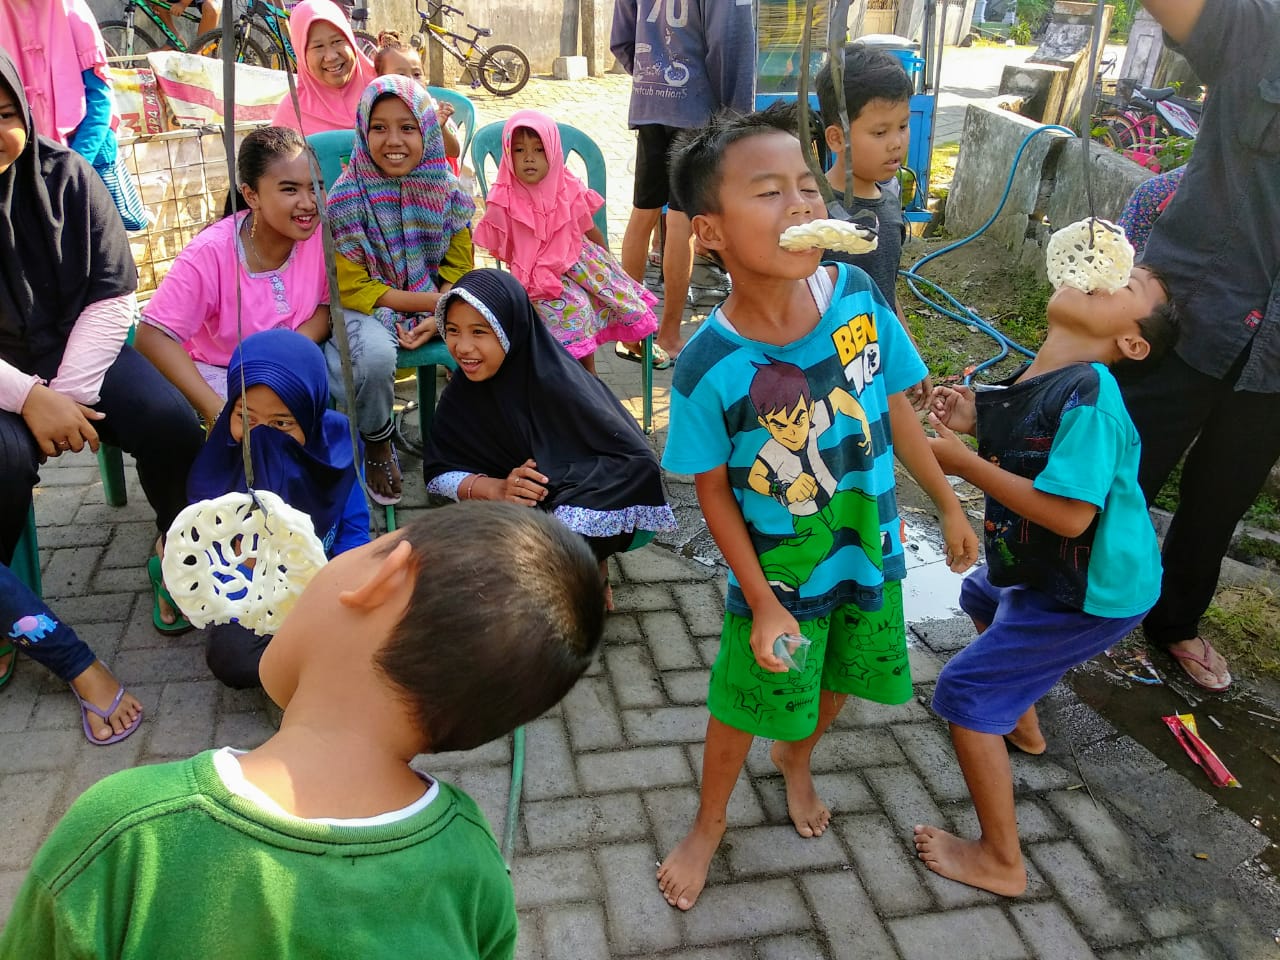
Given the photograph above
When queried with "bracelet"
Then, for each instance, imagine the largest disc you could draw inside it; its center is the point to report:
(471, 485)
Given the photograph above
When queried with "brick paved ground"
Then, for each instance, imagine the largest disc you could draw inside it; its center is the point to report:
(612, 773)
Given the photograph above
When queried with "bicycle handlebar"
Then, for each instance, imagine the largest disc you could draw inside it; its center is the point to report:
(439, 7)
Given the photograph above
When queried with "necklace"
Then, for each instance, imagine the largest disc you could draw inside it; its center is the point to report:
(247, 230)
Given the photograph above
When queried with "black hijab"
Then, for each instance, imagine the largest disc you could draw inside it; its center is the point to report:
(62, 245)
(541, 404)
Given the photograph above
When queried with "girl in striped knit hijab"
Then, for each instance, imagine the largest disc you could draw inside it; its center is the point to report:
(401, 222)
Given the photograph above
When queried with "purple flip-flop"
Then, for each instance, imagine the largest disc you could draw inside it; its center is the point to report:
(86, 707)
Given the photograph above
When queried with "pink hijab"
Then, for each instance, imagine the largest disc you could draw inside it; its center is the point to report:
(53, 42)
(323, 107)
(537, 230)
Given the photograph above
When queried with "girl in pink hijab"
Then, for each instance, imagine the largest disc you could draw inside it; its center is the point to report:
(332, 73)
(538, 220)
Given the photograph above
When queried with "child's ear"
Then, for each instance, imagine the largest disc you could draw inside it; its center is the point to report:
(835, 138)
(393, 573)
(708, 229)
(1133, 347)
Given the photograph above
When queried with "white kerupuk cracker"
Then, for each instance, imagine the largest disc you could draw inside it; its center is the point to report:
(226, 559)
(828, 235)
(1104, 265)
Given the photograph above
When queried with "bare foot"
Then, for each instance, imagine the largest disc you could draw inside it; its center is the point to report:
(4, 661)
(98, 686)
(1026, 736)
(809, 814)
(969, 861)
(382, 472)
(684, 873)
(608, 587)
(167, 613)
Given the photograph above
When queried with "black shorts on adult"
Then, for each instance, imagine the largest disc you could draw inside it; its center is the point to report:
(653, 182)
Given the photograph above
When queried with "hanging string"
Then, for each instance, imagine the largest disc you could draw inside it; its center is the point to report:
(803, 115)
(1087, 104)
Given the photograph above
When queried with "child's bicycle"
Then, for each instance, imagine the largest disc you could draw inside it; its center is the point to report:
(1142, 129)
(123, 38)
(261, 37)
(502, 69)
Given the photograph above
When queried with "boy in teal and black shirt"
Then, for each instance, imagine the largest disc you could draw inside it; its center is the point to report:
(787, 406)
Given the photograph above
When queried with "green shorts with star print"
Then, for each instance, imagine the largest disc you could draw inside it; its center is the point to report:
(853, 651)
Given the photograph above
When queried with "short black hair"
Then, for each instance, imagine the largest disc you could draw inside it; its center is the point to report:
(1159, 328)
(697, 157)
(869, 74)
(263, 147)
(506, 613)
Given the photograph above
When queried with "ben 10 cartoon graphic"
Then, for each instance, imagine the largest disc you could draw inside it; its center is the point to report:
(790, 468)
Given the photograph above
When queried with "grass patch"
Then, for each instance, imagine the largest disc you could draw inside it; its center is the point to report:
(938, 354)
(1264, 513)
(1244, 624)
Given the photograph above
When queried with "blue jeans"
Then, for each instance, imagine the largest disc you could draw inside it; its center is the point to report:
(373, 369)
(26, 622)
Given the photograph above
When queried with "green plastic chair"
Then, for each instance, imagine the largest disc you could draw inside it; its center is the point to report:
(333, 151)
(464, 112)
(487, 148)
(26, 557)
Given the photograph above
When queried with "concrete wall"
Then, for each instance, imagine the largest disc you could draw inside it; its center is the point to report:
(1048, 189)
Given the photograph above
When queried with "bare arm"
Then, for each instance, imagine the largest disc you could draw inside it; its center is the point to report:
(1061, 515)
(1177, 17)
(316, 327)
(911, 447)
(769, 618)
(168, 356)
(596, 237)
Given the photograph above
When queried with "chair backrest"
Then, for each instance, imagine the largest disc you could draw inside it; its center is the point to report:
(487, 146)
(333, 150)
(464, 112)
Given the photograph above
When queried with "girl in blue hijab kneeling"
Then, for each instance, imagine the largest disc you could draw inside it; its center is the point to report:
(303, 455)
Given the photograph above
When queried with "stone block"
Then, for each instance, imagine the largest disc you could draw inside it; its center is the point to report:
(686, 686)
(980, 933)
(928, 748)
(592, 715)
(844, 793)
(569, 68)
(1039, 89)
(529, 937)
(666, 725)
(671, 813)
(1096, 831)
(1092, 903)
(577, 822)
(773, 850)
(563, 877)
(654, 564)
(36, 750)
(575, 931)
(188, 712)
(548, 769)
(669, 641)
(702, 605)
(746, 910)
(25, 799)
(885, 862)
(635, 682)
(845, 914)
(1113, 177)
(1050, 932)
(637, 916)
(633, 769)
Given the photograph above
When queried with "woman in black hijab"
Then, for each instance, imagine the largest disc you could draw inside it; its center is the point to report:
(67, 378)
(523, 421)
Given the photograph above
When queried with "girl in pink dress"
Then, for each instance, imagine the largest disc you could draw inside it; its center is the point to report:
(538, 220)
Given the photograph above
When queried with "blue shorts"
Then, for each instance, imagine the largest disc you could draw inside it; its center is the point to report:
(1030, 643)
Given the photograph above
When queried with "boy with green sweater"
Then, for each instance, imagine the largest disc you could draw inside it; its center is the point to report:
(325, 841)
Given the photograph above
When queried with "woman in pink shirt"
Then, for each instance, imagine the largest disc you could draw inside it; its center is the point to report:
(274, 253)
(67, 377)
(332, 73)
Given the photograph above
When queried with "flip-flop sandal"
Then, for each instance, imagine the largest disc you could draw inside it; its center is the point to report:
(86, 708)
(661, 360)
(380, 498)
(160, 592)
(8, 648)
(1183, 657)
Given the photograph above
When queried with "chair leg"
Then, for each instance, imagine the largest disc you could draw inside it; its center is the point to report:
(646, 379)
(111, 466)
(26, 557)
(426, 400)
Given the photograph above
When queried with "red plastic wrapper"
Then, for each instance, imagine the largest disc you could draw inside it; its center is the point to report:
(1183, 727)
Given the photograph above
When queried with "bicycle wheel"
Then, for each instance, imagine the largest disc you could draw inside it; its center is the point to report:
(1114, 130)
(247, 50)
(113, 37)
(503, 70)
(366, 43)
